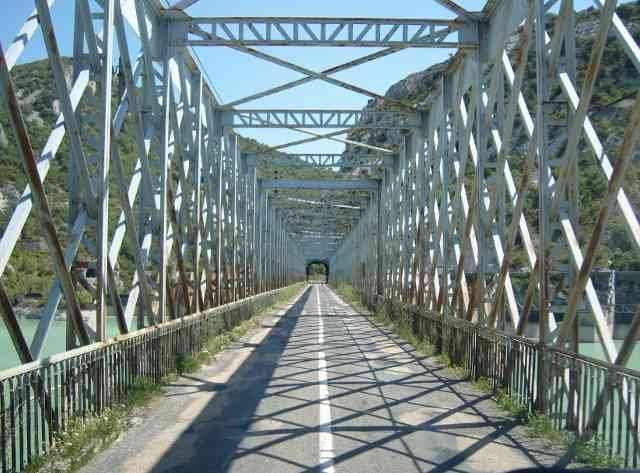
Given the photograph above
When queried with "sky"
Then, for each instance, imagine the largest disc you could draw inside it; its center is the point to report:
(235, 75)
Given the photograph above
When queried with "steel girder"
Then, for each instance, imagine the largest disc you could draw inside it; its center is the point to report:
(290, 31)
(197, 230)
(320, 119)
(315, 160)
(319, 185)
(443, 228)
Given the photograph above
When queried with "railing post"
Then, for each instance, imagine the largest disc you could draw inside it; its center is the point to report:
(540, 403)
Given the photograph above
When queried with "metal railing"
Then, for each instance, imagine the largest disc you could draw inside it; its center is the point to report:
(573, 383)
(39, 400)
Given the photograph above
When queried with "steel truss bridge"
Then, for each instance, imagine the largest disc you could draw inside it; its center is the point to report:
(435, 225)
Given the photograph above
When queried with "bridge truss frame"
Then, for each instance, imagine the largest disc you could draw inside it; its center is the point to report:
(439, 230)
(449, 239)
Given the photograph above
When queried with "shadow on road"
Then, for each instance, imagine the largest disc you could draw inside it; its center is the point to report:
(390, 406)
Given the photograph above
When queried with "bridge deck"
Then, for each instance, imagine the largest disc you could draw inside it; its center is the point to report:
(321, 388)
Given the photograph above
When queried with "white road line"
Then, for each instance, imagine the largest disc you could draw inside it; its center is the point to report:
(325, 438)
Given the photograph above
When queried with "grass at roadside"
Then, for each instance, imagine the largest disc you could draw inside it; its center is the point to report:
(87, 437)
(593, 453)
(350, 296)
(188, 363)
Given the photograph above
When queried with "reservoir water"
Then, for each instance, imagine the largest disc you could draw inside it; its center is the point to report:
(57, 339)
(56, 342)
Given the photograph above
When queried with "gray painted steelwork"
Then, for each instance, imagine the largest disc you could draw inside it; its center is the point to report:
(443, 228)
(321, 160)
(334, 185)
(320, 119)
(292, 31)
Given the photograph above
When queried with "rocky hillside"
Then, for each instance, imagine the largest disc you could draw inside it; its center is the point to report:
(617, 84)
(30, 272)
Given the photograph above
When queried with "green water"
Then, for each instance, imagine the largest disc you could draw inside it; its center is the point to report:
(56, 341)
(594, 350)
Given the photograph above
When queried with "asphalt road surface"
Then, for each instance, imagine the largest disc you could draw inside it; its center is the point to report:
(321, 388)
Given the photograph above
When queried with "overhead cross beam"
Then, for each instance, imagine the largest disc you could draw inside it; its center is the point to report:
(315, 159)
(298, 31)
(349, 203)
(320, 185)
(291, 118)
(327, 214)
(321, 76)
(331, 136)
(304, 80)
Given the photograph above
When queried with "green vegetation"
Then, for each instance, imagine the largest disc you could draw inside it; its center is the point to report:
(616, 87)
(594, 452)
(85, 438)
(30, 274)
(483, 384)
(510, 404)
(317, 273)
(350, 296)
(188, 363)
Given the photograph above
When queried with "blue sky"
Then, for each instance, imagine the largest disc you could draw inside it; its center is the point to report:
(235, 75)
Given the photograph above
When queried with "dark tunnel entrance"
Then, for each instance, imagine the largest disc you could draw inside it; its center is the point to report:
(318, 272)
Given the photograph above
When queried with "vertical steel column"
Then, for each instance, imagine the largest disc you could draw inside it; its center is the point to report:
(541, 137)
(387, 260)
(267, 244)
(280, 253)
(246, 195)
(265, 221)
(270, 246)
(232, 153)
(196, 91)
(253, 184)
(379, 229)
(220, 281)
(480, 214)
(103, 172)
(259, 241)
(164, 182)
(444, 219)
(421, 187)
(405, 192)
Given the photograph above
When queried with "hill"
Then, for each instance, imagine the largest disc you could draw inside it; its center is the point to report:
(30, 272)
(616, 87)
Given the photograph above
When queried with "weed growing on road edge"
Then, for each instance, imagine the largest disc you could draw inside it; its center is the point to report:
(84, 438)
(594, 453)
(483, 384)
(450, 366)
(351, 297)
(514, 407)
(422, 346)
(188, 363)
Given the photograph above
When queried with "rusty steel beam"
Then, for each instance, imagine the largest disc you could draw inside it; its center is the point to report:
(39, 197)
